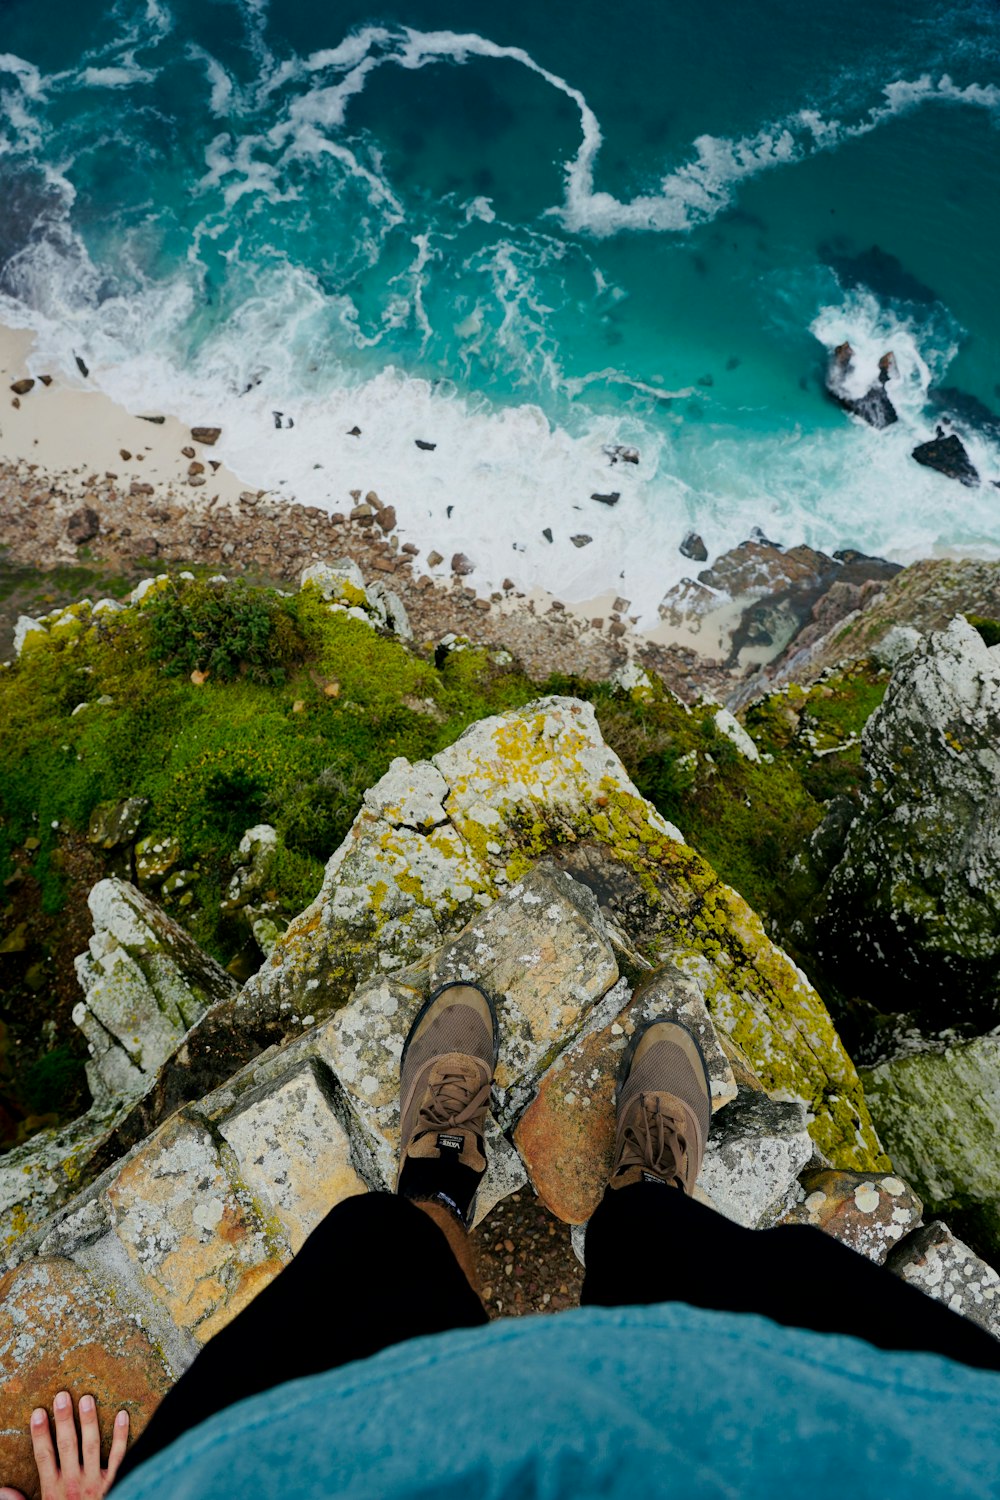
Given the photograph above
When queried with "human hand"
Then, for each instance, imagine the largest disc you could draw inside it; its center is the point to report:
(69, 1478)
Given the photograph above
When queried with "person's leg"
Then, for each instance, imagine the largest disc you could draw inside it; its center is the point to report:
(381, 1268)
(649, 1241)
(652, 1243)
(377, 1271)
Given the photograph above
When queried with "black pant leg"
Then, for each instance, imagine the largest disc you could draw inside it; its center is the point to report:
(375, 1272)
(651, 1243)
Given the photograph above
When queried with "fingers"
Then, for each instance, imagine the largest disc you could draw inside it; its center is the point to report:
(66, 1439)
(6, 1493)
(45, 1456)
(90, 1436)
(119, 1443)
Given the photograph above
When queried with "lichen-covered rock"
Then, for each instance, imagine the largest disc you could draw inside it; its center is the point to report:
(146, 982)
(155, 857)
(756, 1149)
(253, 859)
(940, 1265)
(939, 1114)
(911, 914)
(60, 1329)
(871, 1213)
(293, 1152)
(731, 727)
(199, 1243)
(543, 953)
(115, 823)
(343, 581)
(25, 628)
(512, 788)
(389, 610)
(566, 1134)
(675, 908)
(44, 1173)
(540, 951)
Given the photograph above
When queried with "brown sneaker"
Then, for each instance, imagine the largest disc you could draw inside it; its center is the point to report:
(445, 1076)
(664, 1105)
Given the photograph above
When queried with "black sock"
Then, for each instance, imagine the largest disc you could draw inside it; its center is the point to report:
(450, 1182)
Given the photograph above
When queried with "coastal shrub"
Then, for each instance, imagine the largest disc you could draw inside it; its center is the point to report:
(224, 630)
(305, 708)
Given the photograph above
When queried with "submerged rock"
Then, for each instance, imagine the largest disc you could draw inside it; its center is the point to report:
(948, 456)
(874, 405)
(693, 547)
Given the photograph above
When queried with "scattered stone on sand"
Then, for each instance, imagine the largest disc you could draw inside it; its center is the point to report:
(612, 498)
(207, 436)
(460, 565)
(426, 447)
(83, 525)
(22, 387)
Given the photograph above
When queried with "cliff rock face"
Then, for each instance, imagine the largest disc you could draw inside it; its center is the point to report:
(437, 842)
(911, 913)
(146, 982)
(939, 1114)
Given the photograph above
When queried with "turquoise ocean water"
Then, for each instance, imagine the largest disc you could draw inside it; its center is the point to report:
(527, 233)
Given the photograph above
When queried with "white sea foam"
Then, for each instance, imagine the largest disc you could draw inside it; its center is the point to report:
(119, 76)
(27, 75)
(689, 194)
(507, 474)
(498, 476)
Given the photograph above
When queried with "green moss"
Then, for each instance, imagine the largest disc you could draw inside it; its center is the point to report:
(988, 629)
(214, 758)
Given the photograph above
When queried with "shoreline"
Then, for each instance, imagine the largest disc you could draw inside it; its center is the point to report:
(86, 450)
(156, 494)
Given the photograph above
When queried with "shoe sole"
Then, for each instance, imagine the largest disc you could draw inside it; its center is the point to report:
(453, 984)
(625, 1067)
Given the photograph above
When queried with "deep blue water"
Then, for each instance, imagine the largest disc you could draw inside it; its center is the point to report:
(515, 231)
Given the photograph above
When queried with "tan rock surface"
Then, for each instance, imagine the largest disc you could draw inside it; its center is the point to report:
(566, 1135)
(199, 1244)
(543, 953)
(61, 1330)
(871, 1213)
(294, 1154)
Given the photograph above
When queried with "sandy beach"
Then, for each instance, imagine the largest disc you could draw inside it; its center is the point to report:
(81, 477)
(86, 450)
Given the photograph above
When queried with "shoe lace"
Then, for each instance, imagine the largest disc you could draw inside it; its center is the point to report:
(656, 1139)
(452, 1099)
